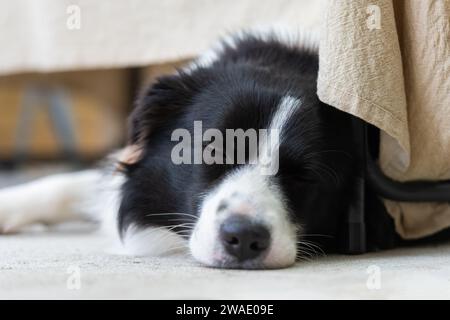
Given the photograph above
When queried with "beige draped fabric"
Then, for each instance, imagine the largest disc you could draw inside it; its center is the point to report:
(61, 35)
(388, 62)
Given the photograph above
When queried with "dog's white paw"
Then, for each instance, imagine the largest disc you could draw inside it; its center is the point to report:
(11, 223)
(48, 200)
(12, 218)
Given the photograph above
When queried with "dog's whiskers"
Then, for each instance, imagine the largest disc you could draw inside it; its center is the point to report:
(182, 214)
(301, 256)
(316, 235)
(308, 245)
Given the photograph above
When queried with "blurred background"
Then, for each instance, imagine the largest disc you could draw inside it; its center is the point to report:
(70, 69)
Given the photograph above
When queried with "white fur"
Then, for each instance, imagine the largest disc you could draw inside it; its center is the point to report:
(90, 194)
(288, 106)
(151, 241)
(301, 38)
(246, 192)
(48, 200)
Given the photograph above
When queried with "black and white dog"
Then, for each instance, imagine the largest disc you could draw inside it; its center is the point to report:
(168, 195)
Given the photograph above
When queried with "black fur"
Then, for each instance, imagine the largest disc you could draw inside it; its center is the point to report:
(242, 90)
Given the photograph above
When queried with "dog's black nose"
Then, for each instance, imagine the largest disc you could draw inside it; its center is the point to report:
(243, 238)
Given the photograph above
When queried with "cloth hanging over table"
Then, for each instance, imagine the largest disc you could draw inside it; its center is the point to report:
(388, 62)
(62, 35)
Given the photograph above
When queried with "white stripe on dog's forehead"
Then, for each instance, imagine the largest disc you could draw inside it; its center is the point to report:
(268, 155)
(285, 111)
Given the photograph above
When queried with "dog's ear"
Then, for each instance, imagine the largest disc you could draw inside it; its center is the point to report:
(165, 99)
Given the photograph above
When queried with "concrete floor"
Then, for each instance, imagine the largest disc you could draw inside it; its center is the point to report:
(70, 262)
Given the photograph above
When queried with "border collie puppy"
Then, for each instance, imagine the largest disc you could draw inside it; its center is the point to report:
(183, 180)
